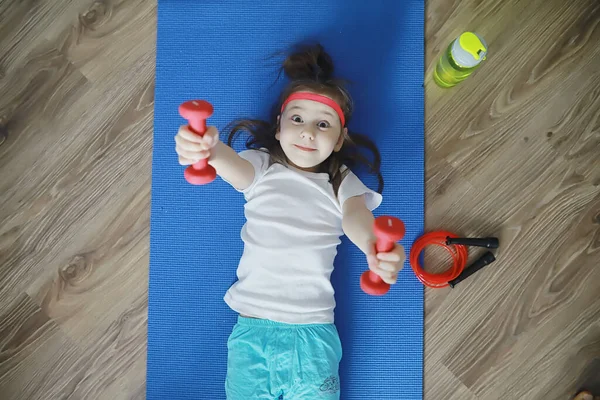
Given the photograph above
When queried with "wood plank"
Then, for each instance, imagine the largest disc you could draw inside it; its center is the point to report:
(113, 364)
(112, 38)
(98, 284)
(551, 359)
(34, 355)
(26, 24)
(442, 384)
(38, 361)
(542, 297)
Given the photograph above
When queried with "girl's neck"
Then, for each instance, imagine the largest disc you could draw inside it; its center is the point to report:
(315, 169)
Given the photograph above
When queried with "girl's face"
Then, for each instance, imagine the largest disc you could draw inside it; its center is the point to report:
(309, 132)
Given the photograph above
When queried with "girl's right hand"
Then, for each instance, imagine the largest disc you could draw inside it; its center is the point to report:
(192, 147)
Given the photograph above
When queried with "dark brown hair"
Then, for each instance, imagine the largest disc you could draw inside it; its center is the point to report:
(310, 68)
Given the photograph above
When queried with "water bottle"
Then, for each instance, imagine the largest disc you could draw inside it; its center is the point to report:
(460, 59)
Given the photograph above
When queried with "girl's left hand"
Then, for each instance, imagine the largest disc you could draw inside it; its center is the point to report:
(387, 265)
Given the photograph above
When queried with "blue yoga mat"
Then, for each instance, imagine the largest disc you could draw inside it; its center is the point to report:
(220, 51)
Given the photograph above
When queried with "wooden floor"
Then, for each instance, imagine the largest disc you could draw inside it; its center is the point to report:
(514, 151)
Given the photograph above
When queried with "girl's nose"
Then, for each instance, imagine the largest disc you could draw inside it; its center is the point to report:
(307, 133)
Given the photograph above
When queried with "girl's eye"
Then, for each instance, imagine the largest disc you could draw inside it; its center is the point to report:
(324, 124)
(297, 118)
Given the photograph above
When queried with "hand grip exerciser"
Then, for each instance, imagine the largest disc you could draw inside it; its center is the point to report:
(196, 112)
(388, 231)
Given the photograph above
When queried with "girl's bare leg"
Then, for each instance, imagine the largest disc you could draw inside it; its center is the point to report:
(585, 395)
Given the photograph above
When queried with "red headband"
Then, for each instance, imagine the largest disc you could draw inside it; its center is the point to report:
(319, 98)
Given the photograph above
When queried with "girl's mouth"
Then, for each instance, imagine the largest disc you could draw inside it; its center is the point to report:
(305, 148)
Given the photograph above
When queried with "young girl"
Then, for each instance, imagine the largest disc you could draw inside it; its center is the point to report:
(300, 198)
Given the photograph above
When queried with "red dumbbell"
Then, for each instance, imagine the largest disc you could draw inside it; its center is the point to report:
(197, 112)
(388, 231)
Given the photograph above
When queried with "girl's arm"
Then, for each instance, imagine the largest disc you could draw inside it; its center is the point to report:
(357, 223)
(192, 148)
(231, 167)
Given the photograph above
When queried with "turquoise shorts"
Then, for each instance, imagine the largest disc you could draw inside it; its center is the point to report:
(269, 360)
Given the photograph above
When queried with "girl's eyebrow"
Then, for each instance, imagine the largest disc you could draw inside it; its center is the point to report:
(300, 108)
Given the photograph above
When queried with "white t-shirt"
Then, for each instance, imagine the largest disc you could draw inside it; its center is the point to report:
(293, 227)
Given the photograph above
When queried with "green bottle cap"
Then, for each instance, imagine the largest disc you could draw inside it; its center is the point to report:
(468, 50)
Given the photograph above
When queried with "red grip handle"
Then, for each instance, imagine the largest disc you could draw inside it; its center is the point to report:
(388, 231)
(197, 112)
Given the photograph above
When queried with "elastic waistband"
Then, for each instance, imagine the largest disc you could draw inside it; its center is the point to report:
(267, 323)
